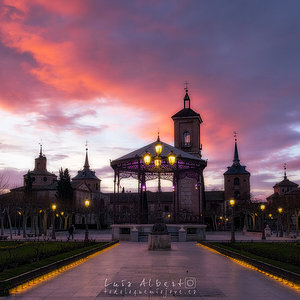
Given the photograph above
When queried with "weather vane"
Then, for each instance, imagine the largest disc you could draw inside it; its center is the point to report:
(235, 135)
(284, 166)
(186, 85)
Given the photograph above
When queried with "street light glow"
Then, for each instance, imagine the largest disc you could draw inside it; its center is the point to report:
(232, 202)
(87, 203)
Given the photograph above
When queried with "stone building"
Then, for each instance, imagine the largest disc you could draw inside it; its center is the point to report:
(237, 179)
(40, 176)
(35, 203)
(282, 188)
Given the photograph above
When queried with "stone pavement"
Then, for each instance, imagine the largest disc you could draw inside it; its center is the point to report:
(191, 271)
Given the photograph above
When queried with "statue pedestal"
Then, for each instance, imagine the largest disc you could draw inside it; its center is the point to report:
(159, 238)
(267, 231)
(159, 242)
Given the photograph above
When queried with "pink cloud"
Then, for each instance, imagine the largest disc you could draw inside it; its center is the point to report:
(138, 56)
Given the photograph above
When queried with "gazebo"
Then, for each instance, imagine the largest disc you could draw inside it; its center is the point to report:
(184, 166)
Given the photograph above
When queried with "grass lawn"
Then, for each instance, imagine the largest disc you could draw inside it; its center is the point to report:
(20, 257)
(282, 255)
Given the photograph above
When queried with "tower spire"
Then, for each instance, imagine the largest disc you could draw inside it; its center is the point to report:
(284, 166)
(186, 100)
(41, 149)
(158, 139)
(236, 159)
(86, 163)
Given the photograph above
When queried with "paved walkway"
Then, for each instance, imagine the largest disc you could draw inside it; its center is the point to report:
(195, 272)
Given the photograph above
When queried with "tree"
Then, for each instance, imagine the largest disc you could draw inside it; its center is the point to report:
(64, 193)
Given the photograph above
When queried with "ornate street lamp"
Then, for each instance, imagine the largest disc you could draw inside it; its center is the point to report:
(53, 206)
(262, 208)
(86, 236)
(19, 224)
(280, 210)
(232, 203)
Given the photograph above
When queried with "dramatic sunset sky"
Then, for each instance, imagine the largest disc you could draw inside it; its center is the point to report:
(112, 72)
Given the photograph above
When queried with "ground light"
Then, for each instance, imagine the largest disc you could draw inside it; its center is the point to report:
(29, 284)
(249, 266)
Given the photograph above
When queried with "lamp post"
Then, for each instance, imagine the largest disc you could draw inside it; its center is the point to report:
(86, 236)
(232, 203)
(280, 210)
(158, 159)
(262, 208)
(53, 221)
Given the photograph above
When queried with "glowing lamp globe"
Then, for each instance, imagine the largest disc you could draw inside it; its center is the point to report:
(158, 148)
(172, 158)
(157, 161)
(147, 159)
(280, 210)
(232, 202)
(53, 207)
(87, 203)
(262, 207)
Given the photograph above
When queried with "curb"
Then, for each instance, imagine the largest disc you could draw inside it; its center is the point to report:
(288, 275)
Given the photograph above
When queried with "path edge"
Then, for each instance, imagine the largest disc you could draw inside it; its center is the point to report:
(7, 284)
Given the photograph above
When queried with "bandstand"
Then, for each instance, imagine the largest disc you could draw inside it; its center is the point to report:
(177, 166)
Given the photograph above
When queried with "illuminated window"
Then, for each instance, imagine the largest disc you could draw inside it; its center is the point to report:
(186, 139)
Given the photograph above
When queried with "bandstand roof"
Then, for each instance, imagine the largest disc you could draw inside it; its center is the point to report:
(151, 149)
(131, 160)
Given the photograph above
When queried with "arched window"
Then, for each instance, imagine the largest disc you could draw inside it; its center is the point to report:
(186, 139)
(236, 181)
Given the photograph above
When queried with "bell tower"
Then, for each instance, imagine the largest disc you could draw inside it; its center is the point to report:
(237, 178)
(187, 128)
(190, 186)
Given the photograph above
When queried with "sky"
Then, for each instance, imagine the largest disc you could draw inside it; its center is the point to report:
(113, 72)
